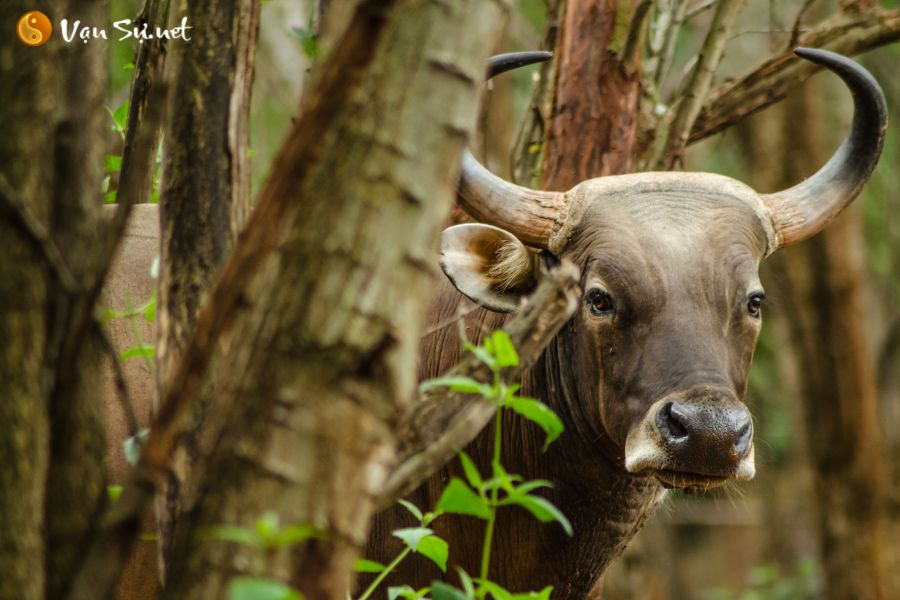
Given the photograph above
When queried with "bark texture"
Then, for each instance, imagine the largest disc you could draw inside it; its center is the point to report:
(327, 356)
(27, 139)
(205, 192)
(594, 124)
(51, 157)
(205, 196)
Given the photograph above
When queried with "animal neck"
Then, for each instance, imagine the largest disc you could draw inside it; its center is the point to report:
(606, 505)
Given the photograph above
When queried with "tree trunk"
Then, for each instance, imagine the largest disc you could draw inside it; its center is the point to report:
(205, 195)
(594, 124)
(51, 444)
(307, 400)
(822, 284)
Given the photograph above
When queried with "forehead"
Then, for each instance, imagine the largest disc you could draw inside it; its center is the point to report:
(674, 219)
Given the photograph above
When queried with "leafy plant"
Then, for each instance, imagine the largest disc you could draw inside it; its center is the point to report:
(147, 311)
(478, 496)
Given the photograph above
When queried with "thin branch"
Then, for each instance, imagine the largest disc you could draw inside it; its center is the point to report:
(798, 23)
(691, 103)
(443, 422)
(340, 77)
(771, 80)
(668, 48)
(699, 8)
(31, 226)
(119, 381)
(636, 33)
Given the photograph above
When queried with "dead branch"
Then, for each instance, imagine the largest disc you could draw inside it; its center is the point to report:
(770, 81)
(443, 421)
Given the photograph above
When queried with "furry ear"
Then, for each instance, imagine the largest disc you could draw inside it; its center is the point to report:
(489, 265)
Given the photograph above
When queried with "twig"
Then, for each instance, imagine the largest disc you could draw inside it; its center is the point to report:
(699, 8)
(119, 381)
(443, 422)
(32, 227)
(701, 80)
(798, 22)
(636, 33)
(462, 314)
(771, 80)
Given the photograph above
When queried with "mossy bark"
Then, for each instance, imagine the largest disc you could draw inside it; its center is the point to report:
(205, 192)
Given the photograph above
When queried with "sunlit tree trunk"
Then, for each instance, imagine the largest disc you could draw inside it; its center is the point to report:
(304, 404)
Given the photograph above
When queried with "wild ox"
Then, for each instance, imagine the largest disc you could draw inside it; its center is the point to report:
(650, 373)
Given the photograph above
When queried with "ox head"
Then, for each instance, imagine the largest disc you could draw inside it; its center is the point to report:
(671, 312)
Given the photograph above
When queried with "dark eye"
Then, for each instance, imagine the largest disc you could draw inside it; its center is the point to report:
(601, 303)
(754, 304)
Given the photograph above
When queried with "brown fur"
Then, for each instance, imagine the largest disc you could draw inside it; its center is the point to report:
(679, 264)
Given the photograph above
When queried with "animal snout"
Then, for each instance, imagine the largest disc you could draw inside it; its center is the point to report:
(708, 434)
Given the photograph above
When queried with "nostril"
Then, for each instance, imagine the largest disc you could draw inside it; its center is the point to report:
(742, 443)
(671, 423)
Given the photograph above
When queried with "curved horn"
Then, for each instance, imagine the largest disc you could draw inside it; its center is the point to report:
(803, 210)
(532, 216)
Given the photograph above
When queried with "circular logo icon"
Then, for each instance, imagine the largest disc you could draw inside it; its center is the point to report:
(34, 28)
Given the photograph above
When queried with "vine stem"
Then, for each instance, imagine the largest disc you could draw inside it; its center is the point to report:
(387, 571)
(498, 429)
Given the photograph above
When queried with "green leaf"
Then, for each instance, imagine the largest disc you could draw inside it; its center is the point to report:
(471, 471)
(466, 581)
(495, 590)
(443, 591)
(296, 533)
(113, 492)
(504, 350)
(532, 485)
(436, 549)
(308, 41)
(482, 354)
(150, 309)
(109, 197)
(541, 508)
(412, 508)
(368, 566)
(404, 591)
(544, 594)
(258, 588)
(132, 445)
(267, 526)
(412, 536)
(539, 413)
(137, 351)
(458, 383)
(113, 163)
(458, 498)
(233, 533)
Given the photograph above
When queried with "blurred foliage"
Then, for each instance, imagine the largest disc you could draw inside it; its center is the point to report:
(766, 583)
